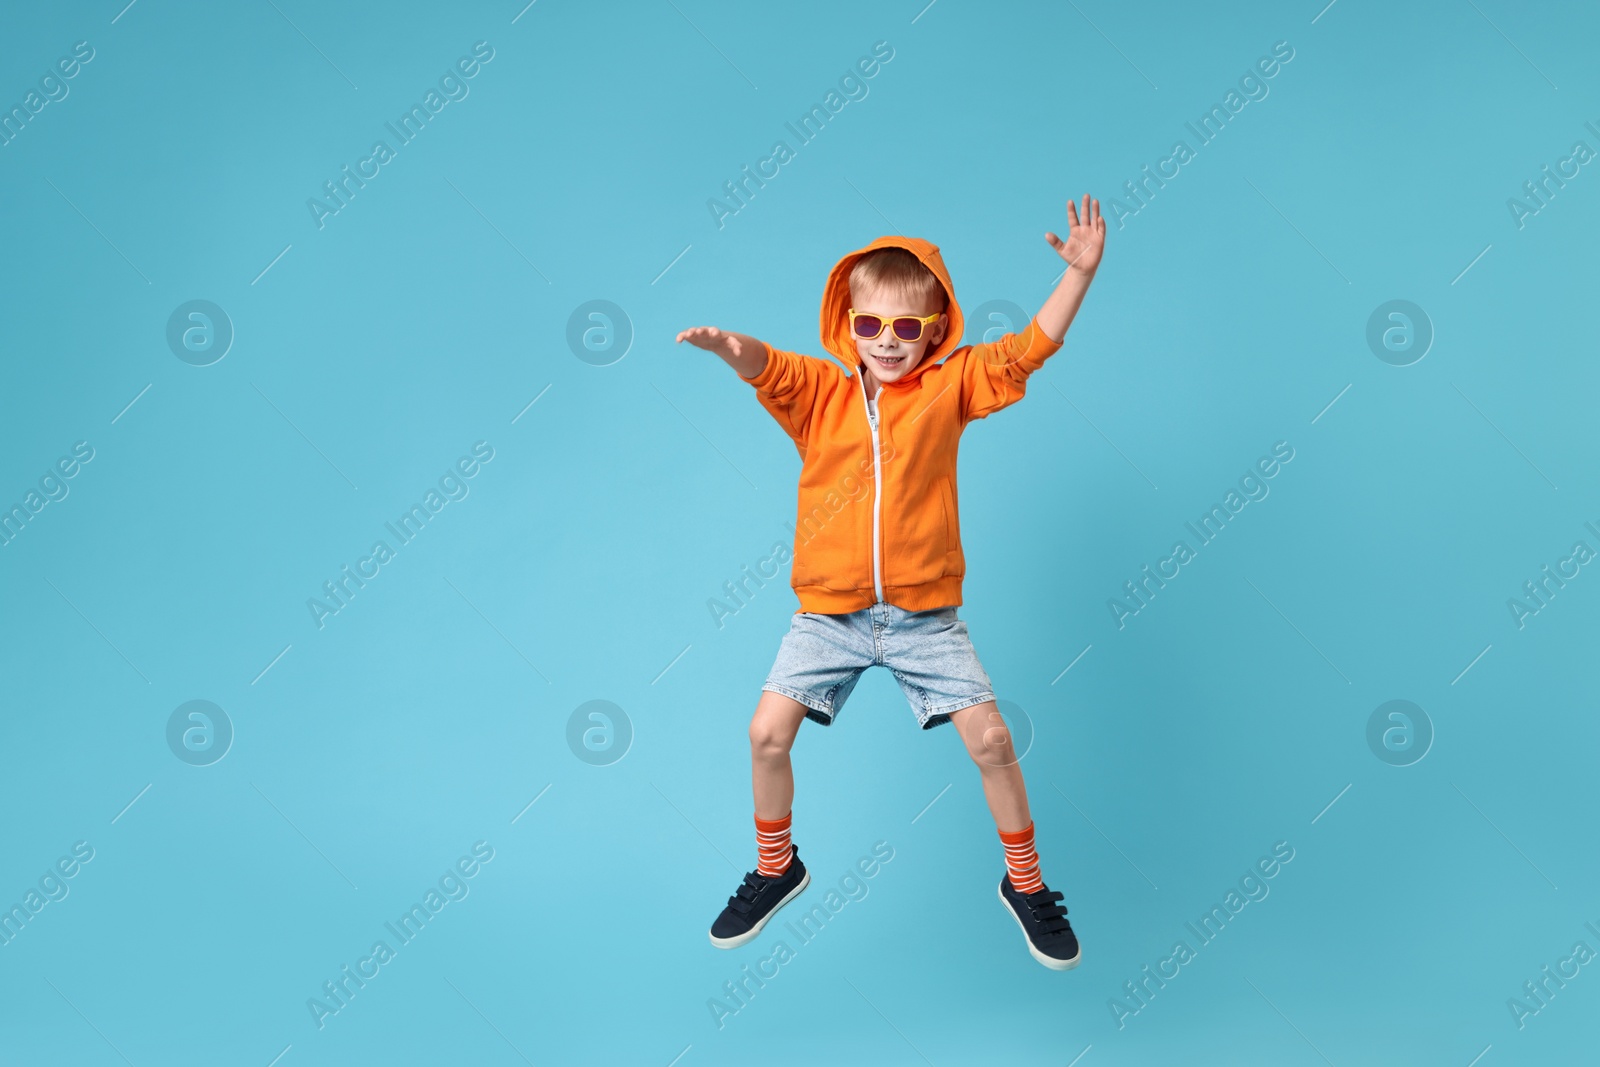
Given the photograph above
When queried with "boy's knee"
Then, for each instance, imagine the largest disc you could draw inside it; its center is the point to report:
(993, 748)
(989, 740)
(768, 738)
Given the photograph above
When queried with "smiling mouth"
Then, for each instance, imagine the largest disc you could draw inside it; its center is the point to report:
(889, 361)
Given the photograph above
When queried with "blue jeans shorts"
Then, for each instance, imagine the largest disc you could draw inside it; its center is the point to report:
(928, 652)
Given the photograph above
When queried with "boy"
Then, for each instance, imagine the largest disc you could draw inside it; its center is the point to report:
(879, 582)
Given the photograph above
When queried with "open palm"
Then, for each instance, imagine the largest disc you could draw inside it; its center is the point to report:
(1087, 238)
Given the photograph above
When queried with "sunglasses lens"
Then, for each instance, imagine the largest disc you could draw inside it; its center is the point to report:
(868, 326)
(907, 329)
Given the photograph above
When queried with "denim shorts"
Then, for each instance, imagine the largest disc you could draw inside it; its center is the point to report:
(928, 652)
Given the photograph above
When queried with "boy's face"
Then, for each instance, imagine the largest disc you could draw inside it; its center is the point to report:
(886, 356)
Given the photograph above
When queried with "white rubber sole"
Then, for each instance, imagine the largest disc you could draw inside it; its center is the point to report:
(750, 934)
(1049, 961)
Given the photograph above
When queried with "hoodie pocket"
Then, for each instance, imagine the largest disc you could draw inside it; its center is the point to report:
(953, 563)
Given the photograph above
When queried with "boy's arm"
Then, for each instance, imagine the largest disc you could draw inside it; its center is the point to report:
(995, 375)
(785, 382)
(740, 351)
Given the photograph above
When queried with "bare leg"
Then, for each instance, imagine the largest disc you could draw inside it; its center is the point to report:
(772, 731)
(989, 744)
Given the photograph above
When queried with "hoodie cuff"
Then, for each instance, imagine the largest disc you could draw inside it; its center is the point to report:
(1040, 345)
(763, 380)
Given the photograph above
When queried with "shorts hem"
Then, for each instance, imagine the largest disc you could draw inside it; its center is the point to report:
(939, 716)
(821, 714)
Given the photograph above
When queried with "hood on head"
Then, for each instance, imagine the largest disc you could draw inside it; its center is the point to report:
(835, 324)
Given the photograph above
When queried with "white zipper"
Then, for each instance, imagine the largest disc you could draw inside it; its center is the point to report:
(877, 483)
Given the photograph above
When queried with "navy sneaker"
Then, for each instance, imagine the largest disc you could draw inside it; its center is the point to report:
(1044, 924)
(756, 900)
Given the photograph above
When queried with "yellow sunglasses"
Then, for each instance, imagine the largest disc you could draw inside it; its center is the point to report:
(907, 328)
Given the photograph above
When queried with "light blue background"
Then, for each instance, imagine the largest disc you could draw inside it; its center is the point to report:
(1229, 313)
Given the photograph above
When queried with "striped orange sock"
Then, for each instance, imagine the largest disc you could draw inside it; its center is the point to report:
(1022, 861)
(772, 842)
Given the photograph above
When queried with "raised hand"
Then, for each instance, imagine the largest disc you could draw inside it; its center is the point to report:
(740, 351)
(711, 339)
(1087, 239)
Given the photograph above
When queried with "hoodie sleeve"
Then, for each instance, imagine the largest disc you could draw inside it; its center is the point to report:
(788, 387)
(996, 375)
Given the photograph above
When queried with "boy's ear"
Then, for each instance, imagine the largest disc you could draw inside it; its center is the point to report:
(939, 328)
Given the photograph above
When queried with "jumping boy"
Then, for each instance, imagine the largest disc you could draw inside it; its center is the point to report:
(879, 581)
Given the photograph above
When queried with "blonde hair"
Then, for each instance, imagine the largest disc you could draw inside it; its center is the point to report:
(897, 271)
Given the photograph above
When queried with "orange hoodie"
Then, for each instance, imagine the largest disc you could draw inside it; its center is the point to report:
(878, 516)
